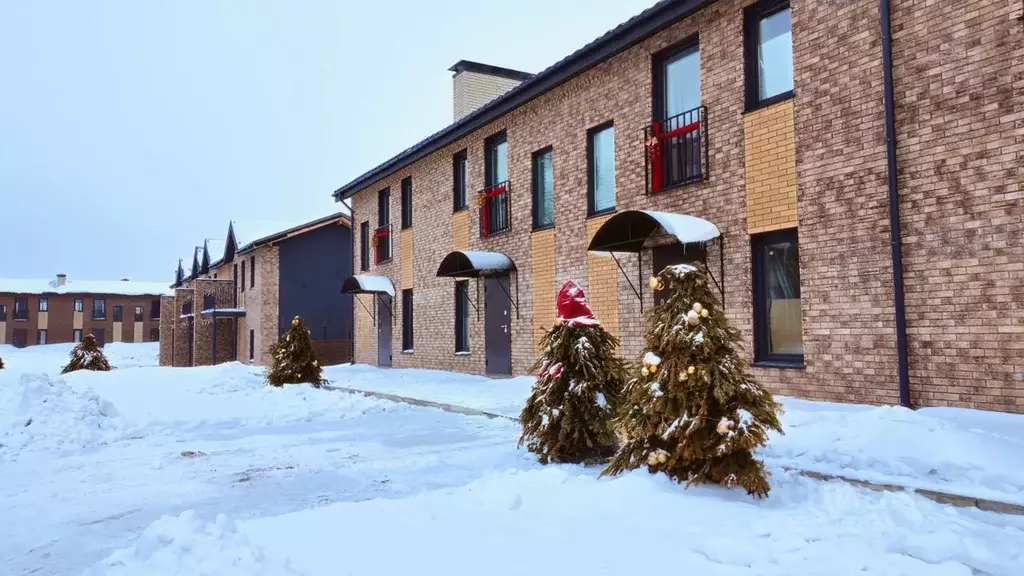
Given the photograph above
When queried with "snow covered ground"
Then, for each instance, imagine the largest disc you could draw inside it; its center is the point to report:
(159, 471)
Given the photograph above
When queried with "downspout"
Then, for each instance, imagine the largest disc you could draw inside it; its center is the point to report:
(895, 234)
(352, 256)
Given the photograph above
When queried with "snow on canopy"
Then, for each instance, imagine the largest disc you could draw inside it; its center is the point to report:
(488, 260)
(114, 287)
(373, 283)
(684, 227)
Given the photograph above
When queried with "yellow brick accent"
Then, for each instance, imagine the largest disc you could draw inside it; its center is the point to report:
(76, 320)
(364, 322)
(603, 283)
(542, 272)
(407, 253)
(770, 150)
(43, 320)
(460, 230)
(118, 332)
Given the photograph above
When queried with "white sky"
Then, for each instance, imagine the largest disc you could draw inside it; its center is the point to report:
(130, 130)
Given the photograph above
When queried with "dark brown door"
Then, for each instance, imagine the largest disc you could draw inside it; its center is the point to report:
(497, 325)
(20, 338)
(383, 330)
(670, 255)
(101, 336)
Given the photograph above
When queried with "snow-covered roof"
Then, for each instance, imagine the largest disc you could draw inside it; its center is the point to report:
(362, 283)
(684, 227)
(112, 287)
(628, 231)
(471, 264)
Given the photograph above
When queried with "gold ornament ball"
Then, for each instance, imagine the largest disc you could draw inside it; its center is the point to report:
(652, 459)
(697, 307)
(653, 368)
(704, 313)
(682, 377)
(662, 457)
(691, 370)
(295, 321)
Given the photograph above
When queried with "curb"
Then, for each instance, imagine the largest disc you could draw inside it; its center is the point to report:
(933, 495)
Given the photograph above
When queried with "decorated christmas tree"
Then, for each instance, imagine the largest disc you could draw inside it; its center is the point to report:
(292, 360)
(692, 411)
(568, 415)
(87, 356)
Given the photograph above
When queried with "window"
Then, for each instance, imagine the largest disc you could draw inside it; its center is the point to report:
(44, 304)
(118, 313)
(209, 301)
(383, 207)
(76, 335)
(495, 216)
(154, 334)
(252, 271)
(21, 308)
(3, 312)
(382, 236)
(679, 118)
(252, 345)
(241, 285)
(768, 52)
(139, 314)
(462, 316)
(543, 189)
(214, 275)
(364, 246)
(99, 309)
(407, 202)
(601, 169)
(777, 317)
(79, 305)
(41, 336)
(496, 161)
(407, 320)
(154, 310)
(460, 181)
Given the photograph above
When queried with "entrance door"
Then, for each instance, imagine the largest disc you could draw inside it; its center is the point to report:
(497, 325)
(670, 255)
(101, 336)
(383, 330)
(20, 338)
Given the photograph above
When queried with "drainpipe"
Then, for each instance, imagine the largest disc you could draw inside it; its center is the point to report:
(895, 234)
(352, 256)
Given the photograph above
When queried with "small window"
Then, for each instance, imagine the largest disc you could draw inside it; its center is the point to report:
(154, 310)
(407, 321)
(41, 336)
(407, 202)
(118, 313)
(209, 301)
(252, 271)
(76, 335)
(601, 169)
(3, 312)
(460, 181)
(543, 189)
(214, 275)
(496, 166)
(140, 314)
(79, 305)
(462, 316)
(44, 304)
(768, 51)
(252, 345)
(364, 246)
(154, 334)
(383, 207)
(778, 325)
(99, 309)
(241, 285)
(21, 308)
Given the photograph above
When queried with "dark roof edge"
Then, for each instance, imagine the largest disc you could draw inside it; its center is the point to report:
(345, 220)
(480, 68)
(620, 38)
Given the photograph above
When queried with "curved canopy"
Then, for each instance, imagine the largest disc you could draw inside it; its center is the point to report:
(469, 264)
(364, 284)
(627, 231)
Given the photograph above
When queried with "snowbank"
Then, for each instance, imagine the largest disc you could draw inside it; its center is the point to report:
(188, 545)
(51, 358)
(38, 412)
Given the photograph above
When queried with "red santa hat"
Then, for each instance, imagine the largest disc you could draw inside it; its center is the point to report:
(573, 308)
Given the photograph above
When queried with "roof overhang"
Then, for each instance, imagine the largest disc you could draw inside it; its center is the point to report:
(470, 264)
(628, 231)
(365, 284)
(223, 313)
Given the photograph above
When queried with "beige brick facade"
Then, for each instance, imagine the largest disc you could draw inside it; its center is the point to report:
(817, 160)
(473, 89)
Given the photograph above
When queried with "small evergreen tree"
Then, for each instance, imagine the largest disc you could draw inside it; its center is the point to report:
(1, 363)
(292, 360)
(87, 356)
(693, 412)
(568, 415)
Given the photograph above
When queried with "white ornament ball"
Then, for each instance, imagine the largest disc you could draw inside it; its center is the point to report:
(697, 307)
(692, 318)
(645, 371)
(725, 425)
(682, 377)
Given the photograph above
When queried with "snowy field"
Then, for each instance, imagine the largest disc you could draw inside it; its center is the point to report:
(204, 471)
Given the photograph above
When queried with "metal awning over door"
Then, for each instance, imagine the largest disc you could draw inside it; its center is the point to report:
(367, 284)
(473, 264)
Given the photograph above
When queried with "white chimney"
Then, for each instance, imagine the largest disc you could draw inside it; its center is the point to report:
(475, 84)
(62, 279)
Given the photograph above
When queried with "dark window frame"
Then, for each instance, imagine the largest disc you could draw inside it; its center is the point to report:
(154, 309)
(3, 312)
(591, 190)
(252, 345)
(118, 312)
(154, 334)
(252, 271)
(406, 202)
(44, 304)
(24, 301)
(752, 16)
(79, 305)
(658, 63)
(490, 144)
(103, 302)
(241, 285)
(76, 335)
(460, 180)
(383, 207)
(535, 186)
(139, 313)
(762, 342)
(364, 246)
(461, 309)
(408, 315)
(42, 336)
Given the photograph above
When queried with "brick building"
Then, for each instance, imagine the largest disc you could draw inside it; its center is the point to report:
(851, 173)
(244, 299)
(62, 310)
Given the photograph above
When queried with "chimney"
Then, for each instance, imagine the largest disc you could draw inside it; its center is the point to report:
(62, 279)
(475, 84)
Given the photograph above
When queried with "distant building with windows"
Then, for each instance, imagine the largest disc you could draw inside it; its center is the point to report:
(65, 310)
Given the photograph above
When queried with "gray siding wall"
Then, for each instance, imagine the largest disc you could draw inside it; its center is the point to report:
(313, 266)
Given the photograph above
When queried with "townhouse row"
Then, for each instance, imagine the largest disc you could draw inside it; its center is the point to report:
(849, 173)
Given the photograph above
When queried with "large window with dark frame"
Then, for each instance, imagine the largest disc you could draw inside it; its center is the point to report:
(154, 309)
(21, 308)
(364, 246)
(41, 336)
(495, 215)
(99, 309)
(241, 285)
(768, 52)
(79, 305)
(118, 313)
(543, 189)
(3, 312)
(252, 271)
(460, 180)
(407, 321)
(677, 134)
(601, 169)
(407, 202)
(462, 316)
(382, 236)
(778, 324)
(76, 335)
(44, 304)
(139, 314)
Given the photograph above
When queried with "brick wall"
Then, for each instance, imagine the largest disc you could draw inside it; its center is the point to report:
(167, 315)
(60, 321)
(261, 305)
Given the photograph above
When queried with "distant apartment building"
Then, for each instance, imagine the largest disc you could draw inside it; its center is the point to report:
(850, 173)
(65, 310)
(234, 305)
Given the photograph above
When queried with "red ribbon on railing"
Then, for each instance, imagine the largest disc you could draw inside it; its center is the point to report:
(654, 149)
(484, 198)
(377, 235)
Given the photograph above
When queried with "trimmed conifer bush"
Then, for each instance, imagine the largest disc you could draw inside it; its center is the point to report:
(292, 360)
(87, 355)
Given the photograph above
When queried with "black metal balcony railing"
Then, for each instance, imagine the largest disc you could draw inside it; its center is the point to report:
(382, 245)
(495, 209)
(676, 150)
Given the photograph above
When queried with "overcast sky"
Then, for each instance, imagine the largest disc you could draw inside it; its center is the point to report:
(130, 130)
